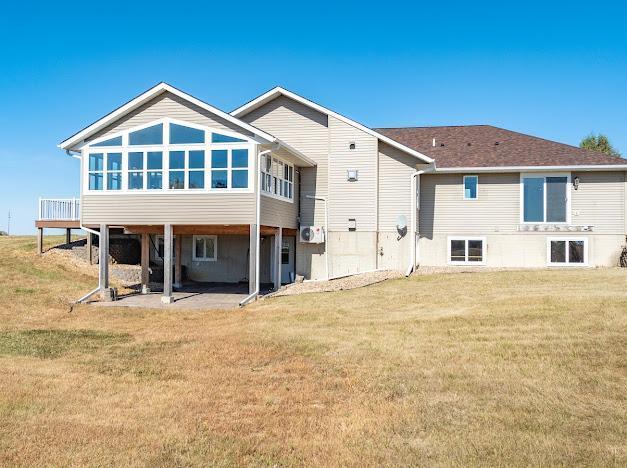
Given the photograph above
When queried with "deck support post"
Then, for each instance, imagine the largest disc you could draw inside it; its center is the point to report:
(178, 274)
(106, 293)
(167, 264)
(252, 259)
(40, 241)
(145, 261)
(68, 235)
(278, 245)
(90, 242)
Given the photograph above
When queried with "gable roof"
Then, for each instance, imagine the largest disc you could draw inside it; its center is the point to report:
(147, 96)
(485, 146)
(279, 91)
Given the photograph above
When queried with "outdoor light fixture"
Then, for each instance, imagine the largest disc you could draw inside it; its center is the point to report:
(576, 182)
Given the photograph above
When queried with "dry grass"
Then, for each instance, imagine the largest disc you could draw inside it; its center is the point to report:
(511, 368)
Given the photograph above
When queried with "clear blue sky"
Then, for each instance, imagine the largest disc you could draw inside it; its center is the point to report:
(554, 70)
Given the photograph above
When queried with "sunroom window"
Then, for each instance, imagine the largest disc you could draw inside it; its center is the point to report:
(147, 136)
(229, 168)
(277, 177)
(181, 134)
(105, 171)
(545, 199)
(219, 138)
(145, 170)
(187, 169)
(117, 141)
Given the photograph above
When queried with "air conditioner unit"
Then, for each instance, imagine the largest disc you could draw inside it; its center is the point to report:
(311, 234)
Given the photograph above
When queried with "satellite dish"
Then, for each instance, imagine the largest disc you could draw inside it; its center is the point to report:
(401, 223)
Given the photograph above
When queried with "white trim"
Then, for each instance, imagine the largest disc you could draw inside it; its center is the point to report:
(280, 178)
(599, 167)
(476, 188)
(544, 175)
(567, 263)
(147, 96)
(484, 250)
(275, 92)
(215, 249)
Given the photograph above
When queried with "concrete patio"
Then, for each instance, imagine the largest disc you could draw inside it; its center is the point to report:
(204, 296)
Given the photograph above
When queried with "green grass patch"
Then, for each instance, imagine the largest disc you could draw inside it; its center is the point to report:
(51, 344)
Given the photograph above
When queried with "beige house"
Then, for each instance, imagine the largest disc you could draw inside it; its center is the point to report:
(282, 187)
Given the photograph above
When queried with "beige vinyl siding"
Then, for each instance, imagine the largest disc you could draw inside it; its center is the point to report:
(306, 130)
(444, 210)
(280, 213)
(600, 201)
(395, 169)
(169, 105)
(357, 199)
(159, 208)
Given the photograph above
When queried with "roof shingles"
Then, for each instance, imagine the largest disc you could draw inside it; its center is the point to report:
(487, 146)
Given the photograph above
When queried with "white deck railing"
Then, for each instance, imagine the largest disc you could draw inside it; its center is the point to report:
(62, 209)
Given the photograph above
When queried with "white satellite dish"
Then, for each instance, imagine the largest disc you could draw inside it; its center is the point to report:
(401, 222)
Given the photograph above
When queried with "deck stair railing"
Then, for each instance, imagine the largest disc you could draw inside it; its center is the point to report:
(62, 209)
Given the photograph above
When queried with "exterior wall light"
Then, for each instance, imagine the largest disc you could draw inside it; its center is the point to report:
(352, 175)
(576, 183)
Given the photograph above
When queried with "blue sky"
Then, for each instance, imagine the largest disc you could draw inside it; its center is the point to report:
(553, 69)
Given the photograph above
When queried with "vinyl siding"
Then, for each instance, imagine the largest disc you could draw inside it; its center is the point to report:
(600, 201)
(306, 130)
(357, 199)
(443, 209)
(169, 105)
(395, 169)
(280, 213)
(176, 208)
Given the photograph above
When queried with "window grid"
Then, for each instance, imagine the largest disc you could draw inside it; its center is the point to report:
(466, 250)
(277, 177)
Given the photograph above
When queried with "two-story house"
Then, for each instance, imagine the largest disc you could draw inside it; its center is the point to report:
(283, 186)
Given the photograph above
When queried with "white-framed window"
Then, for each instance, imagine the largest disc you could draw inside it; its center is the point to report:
(104, 171)
(462, 250)
(545, 198)
(205, 248)
(567, 251)
(277, 178)
(169, 155)
(471, 187)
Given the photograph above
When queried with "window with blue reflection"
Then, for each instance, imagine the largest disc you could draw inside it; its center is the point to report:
(114, 161)
(177, 180)
(95, 181)
(114, 181)
(239, 179)
(533, 199)
(470, 187)
(219, 179)
(135, 180)
(219, 158)
(181, 134)
(155, 160)
(96, 162)
(177, 160)
(155, 180)
(196, 179)
(147, 136)
(197, 159)
(239, 158)
(219, 138)
(117, 141)
(135, 161)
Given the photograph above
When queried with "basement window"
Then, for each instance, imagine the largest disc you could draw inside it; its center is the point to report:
(205, 248)
(567, 251)
(466, 250)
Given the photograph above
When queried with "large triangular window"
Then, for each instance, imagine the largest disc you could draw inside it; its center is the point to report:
(219, 138)
(181, 134)
(117, 141)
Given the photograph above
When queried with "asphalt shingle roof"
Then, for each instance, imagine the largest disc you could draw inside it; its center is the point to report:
(488, 146)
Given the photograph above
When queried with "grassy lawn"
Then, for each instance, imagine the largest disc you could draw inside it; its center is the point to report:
(511, 368)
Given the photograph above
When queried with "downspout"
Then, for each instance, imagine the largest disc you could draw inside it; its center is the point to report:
(413, 232)
(84, 228)
(258, 221)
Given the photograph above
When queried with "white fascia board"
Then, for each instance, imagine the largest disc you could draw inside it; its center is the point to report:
(596, 167)
(147, 96)
(275, 92)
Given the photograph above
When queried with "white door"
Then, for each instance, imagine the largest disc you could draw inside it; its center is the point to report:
(287, 259)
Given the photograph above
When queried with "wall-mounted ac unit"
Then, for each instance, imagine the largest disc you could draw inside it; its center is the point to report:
(311, 234)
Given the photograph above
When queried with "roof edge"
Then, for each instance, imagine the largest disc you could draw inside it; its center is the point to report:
(279, 91)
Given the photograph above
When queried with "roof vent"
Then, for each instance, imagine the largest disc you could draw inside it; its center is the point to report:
(441, 144)
(496, 143)
(469, 144)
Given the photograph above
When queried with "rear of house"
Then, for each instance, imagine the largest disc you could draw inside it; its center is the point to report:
(282, 187)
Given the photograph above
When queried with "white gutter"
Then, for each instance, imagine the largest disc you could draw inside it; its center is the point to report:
(255, 293)
(326, 231)
(595, 167)
(413, 233)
